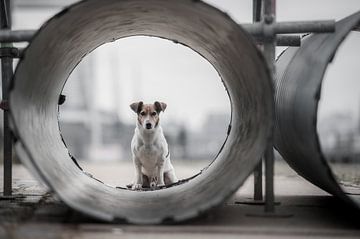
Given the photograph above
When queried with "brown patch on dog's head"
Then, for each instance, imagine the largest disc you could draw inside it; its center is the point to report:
(148, 114)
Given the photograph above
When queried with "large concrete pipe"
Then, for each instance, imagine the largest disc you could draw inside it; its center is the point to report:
(300, 73)
(65, 39)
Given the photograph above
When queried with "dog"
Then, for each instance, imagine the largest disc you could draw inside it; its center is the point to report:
(150, 151)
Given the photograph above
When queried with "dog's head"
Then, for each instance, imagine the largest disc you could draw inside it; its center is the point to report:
(148, 114)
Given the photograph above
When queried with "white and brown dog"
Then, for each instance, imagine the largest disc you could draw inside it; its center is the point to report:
(149, 148)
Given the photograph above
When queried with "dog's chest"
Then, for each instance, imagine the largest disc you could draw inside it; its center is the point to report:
(149, 155)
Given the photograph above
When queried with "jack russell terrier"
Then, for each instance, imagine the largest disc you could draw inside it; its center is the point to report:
(150, 151)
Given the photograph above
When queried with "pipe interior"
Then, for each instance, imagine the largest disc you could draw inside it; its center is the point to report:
(164, 65)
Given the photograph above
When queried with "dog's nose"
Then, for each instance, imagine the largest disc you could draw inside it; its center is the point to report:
(148, 125)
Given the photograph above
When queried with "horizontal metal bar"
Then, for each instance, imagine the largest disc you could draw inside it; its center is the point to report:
(255, 29)
(11, 52)
(283, 40)
(305, 26)
(262, 29)
(16, 36)
(288, 40)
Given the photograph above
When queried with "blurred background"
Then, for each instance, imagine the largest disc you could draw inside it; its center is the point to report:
(97, 123)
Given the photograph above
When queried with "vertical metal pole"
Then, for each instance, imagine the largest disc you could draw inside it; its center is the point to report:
(269, 53)
(256, 10)
(258, 191)
(7, 73)
(269, 180)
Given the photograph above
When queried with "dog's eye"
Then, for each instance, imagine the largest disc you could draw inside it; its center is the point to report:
(153, 113)
(142, 113)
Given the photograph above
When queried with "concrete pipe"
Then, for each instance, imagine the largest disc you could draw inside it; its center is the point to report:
(300, 73)
(65, 39)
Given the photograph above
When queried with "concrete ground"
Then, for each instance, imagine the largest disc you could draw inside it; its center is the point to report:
(302, 211)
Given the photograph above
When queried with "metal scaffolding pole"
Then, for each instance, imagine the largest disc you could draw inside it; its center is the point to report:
(258, 190)
(16, 36)
(26, 36)
(258, 29)
(269, 53)
(7, 73)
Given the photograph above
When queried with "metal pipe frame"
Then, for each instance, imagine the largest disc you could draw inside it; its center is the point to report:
(269, 53)
(7, 74)
(9, 36)
(263, 29)
(258, 171)
(281, 40)
(259, 30)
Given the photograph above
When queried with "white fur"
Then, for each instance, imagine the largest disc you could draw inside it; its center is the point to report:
(151, 157)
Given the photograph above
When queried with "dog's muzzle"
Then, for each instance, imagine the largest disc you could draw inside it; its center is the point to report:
(148, 125)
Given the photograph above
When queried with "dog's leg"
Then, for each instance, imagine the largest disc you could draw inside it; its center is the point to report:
(171, 177)
(138, 176)
(160, 173)
(146, 181)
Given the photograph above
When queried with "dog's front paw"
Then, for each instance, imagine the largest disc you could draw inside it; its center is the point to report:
(136, 186)
(160, 185)
(154, 185)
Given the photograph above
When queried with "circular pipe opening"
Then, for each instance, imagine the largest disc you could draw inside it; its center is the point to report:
(97, 124)
(339, 115)
(69, 36)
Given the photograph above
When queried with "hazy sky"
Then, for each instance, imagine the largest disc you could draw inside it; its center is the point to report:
(152, 69)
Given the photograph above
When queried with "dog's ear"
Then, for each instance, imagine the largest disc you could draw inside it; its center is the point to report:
(160, 106)
(137, 106)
